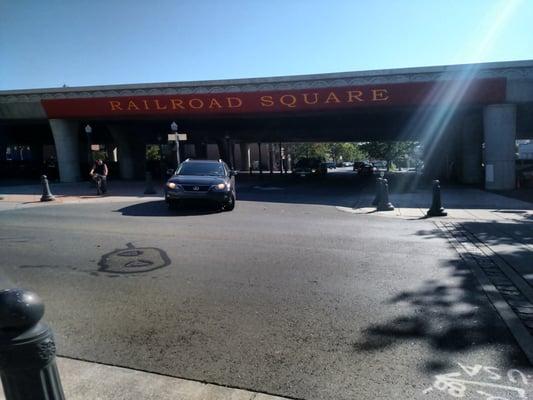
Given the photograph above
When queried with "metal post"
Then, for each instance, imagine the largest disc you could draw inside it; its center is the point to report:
(88, 131)
(384, 203)
(281, 159)
(27, 349)
(232, 152)
(178, 151)
(47, 194)
(271, 158)
(260, 159)
(174, 129)
(436, 209)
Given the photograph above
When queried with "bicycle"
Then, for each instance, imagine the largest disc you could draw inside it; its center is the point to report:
(100, 180)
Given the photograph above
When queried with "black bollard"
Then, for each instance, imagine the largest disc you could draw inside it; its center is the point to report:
(47, 195)
(436, 209)
(384, 203)
(379, 182)
(27, 349)
(149, 188)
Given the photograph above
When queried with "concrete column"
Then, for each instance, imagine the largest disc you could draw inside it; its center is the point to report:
(471, 152)
(3, 144)
(245, 157)
(232, 154)
(200, 150)
(260, 158)
(126, 158)
(441, 150)
(499, 126)
(213, 152)
(223, 150)
(271, 158)
(281, 158)
(67, 149)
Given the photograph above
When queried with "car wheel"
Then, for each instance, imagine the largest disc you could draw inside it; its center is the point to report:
(230, 204)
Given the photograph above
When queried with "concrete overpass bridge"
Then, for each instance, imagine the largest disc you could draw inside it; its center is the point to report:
(466, 115)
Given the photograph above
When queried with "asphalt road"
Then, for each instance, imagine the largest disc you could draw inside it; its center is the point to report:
(283, 295)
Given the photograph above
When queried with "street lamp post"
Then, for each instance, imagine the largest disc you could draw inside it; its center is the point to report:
(228, 152)
(174, 129)
(88, 131)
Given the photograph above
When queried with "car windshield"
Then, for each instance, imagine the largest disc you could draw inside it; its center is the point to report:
(195, 168)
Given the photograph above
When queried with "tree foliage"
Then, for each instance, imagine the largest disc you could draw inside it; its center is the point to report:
(153, 152)
(390, 151)
(346, 152)
(309, 150)
(328, 151)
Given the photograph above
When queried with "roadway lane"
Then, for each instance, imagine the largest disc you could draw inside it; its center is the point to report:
(295, 299)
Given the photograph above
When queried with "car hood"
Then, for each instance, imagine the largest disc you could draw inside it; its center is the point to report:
(197, 180)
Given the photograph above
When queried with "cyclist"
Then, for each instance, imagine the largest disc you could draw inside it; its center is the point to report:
(99, 174)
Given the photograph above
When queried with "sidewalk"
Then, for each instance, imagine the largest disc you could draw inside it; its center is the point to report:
(83, 380)
(459, 203)
(79, 192)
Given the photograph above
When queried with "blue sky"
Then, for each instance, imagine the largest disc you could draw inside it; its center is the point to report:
(77, 43)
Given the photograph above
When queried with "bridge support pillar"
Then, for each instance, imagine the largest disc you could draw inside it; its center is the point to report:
(499, 126)
(67, 149)
(245, 156)
(126, 159)
(224, 150)
(3, 145)
(271, 157)
(200, 150)
(471, 152)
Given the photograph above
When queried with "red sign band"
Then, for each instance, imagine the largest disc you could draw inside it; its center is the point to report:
(481, 91)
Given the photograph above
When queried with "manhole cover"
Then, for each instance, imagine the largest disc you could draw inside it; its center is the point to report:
(132, 260)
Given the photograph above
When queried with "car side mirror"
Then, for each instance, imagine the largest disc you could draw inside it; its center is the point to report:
(232, 173)
(170, 172)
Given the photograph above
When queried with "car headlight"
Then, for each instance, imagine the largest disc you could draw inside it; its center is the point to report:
(313, 171)
(171, 185)
(221, 186)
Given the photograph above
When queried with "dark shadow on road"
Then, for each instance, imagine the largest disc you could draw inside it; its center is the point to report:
(524, 194)
(335, 189)
(450, 317)
(526, 218)
(509, 233)
(159, 208)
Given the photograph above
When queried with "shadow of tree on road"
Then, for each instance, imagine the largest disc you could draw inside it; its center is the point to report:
(451, 317)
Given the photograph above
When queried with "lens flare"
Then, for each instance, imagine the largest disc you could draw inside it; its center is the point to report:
(442, 104)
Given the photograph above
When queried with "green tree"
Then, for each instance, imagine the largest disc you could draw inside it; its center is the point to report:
(348, 152)
(390, 151)
(325, 151)
(309, 150)
(99, 155)
(153, 152)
